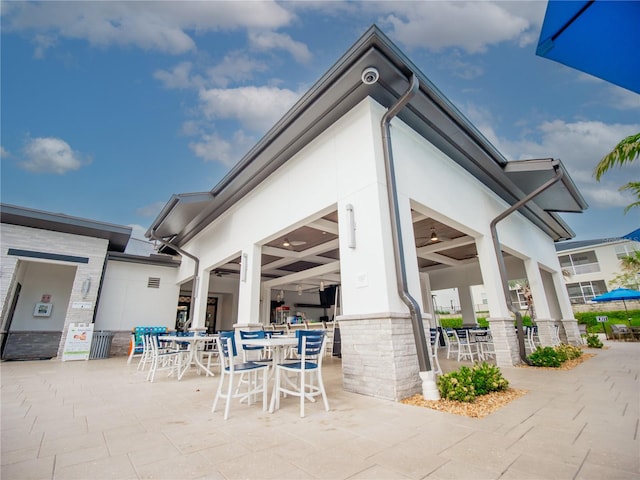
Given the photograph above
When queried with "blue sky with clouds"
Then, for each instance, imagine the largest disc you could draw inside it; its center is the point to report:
(108, 108)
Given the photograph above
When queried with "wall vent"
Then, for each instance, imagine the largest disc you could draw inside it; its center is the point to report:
(153, 282)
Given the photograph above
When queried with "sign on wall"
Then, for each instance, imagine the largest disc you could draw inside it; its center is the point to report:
(77, 345)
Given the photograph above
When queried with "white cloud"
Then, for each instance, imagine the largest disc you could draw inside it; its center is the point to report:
(623, 99)
(272, 40)
(235, 67)
(256, 108)
(214, 148)
(4, 153)
(137, 231)
(580, 146)
(178, 77)
(51, 155)
(161, 26)
(150, 210)
(471, 26)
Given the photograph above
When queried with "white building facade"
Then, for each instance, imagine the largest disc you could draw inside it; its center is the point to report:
(329, 196)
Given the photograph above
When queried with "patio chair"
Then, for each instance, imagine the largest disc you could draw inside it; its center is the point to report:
(466, 348)
(163, 358)
(311, 347)
(484, 343)
(229, 369)
(434, 335)
(621, 332)
(532, 340)
(451, 342)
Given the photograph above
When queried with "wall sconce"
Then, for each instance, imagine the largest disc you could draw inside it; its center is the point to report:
(299, 288)
(243, 267)
(322, 285)
(86, 286)
(351, 242)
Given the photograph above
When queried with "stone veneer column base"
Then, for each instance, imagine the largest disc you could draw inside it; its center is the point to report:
(379, 355)
(545, 331)
(505, 341)
(571, 331)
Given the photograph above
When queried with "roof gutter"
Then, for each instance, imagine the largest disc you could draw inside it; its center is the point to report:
(429, 387)
(559, 173)
(196, 261)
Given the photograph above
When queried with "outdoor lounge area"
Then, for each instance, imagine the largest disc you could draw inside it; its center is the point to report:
(102, 419)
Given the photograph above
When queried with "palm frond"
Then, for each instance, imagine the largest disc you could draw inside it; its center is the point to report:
(624, 152)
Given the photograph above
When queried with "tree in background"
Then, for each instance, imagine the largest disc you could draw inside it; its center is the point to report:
(627, 151)
(630, 276)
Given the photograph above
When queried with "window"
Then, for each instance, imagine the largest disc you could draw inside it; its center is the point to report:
(578, 263)
(583, 292)
(624, 250)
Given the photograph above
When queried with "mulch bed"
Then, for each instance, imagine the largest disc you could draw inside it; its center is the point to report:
(479, 408)
(486, 404)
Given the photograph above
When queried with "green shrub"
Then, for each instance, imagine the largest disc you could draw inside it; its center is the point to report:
(593, 341)
(487, 378)
(465, 384)
(554, 356)
(455, 322)
(570, 351)
(545, 357)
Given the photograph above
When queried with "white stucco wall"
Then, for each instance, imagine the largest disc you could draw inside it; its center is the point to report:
(40, 278)
(57, 243)
(127, 302)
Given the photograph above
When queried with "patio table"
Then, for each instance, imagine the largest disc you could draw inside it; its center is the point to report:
(193, 342)
(278, 345)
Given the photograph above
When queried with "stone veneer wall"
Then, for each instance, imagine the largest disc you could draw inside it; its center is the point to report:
(31, 345)
(379, 355)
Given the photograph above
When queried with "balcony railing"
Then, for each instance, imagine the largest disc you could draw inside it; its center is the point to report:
(582, 269)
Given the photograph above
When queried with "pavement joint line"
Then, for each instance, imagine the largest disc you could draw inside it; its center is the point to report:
(635, 434)
(520, 437)
(456, 443)
(509, 466)
(579, 433)
(582, 464)
(579, 412)
(624, 410)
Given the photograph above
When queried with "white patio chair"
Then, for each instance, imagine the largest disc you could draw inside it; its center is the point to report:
(466, 348)
(311, 347)
(435, 344)
(164, 358)
(229, 369)
(451, 342)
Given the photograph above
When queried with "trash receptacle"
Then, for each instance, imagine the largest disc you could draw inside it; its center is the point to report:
(100, 344)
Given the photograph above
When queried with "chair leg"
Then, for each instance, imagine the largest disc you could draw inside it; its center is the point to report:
(229, 395)
(302, 392)
(218, 393)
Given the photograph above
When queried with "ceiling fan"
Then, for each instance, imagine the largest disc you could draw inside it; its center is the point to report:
(434, 237)
(286, 243)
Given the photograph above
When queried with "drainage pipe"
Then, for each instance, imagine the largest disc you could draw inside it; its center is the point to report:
(396, 230)
(501, 265)
(196, 261)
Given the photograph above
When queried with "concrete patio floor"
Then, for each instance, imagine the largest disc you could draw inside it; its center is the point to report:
(101, 419)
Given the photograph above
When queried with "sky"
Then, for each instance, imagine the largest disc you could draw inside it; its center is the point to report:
(109, 108)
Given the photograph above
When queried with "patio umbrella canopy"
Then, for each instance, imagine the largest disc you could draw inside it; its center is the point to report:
(617, 295)
(597, 37)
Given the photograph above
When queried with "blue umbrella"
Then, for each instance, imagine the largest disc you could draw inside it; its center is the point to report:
(617, 295)
(597, 37)
(635, 235)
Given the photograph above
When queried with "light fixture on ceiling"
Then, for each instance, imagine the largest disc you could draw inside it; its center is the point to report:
(299, 288)
(322, 285)
(286, 243)
(434, 235)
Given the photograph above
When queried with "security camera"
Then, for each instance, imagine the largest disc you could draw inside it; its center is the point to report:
(370, 75)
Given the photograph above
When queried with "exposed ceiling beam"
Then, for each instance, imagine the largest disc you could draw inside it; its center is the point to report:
(300, 276)
(446, 245)
(325, 225)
